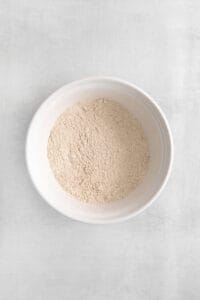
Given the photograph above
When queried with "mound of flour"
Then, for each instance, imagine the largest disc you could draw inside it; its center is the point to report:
(98, 151)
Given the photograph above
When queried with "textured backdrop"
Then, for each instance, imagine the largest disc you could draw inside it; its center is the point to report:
(154, 44)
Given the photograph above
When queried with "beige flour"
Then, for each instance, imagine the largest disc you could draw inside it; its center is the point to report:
(97, 151)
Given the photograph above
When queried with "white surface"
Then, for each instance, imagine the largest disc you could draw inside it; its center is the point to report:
(45, 44)
(155, 127)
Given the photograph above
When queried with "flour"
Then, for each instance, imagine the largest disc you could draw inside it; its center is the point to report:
(98, 151)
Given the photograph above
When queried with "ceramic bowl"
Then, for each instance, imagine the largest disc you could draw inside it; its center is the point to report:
(153, 122)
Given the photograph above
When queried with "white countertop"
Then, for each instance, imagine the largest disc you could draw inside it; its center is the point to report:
(155, 45)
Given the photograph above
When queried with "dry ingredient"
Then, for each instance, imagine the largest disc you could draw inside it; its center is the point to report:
(98, 151)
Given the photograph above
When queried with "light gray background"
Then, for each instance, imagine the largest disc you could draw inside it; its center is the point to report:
(154, 44)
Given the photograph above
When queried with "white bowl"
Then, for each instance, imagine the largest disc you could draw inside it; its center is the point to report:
(154, 125)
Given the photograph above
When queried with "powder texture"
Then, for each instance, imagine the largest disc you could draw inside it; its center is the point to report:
(98, 151)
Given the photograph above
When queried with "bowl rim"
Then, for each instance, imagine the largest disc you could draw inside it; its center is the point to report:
(130, 215)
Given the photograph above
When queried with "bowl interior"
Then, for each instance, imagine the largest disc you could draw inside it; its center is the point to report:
(153, 124)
